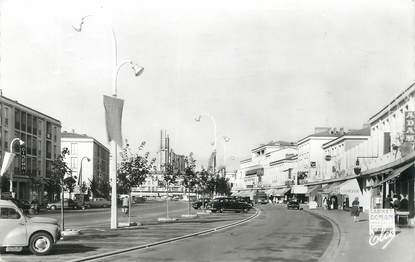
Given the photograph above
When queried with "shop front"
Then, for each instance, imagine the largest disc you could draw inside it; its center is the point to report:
(279, 195)
(314, 194)
(391, 186)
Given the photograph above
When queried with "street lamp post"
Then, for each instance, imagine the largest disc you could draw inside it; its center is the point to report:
(21, 142)
(197, 119)
(116, 68)
(80, 172)
(225, 140)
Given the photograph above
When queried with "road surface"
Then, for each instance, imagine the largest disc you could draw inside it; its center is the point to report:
(277, 234)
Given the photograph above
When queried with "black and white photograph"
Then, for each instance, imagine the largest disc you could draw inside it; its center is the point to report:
(207, 131)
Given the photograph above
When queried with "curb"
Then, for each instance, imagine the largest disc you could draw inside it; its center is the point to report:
(166, 241)
(336, 242)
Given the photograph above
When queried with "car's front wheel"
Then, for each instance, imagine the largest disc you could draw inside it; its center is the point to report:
(40, 244)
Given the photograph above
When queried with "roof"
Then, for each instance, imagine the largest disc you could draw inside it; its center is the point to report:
(66, 134)
(275, 143)
(393, 103)
(357, 134)
(29, 108)
(7, 203)
(320, 134)
(69, 135)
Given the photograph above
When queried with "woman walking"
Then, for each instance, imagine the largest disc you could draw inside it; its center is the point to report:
(355, 210)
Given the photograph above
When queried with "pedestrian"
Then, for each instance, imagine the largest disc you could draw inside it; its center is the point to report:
(403, 204)
(325, 203)
(388, 202)
(271, 198)
(355, 210)
(125, 203)
(396, 201)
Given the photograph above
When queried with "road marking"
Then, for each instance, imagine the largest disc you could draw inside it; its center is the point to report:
(171, 240)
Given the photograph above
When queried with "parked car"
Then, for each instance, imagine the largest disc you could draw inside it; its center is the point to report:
(18, 231)
(97, 202)
(228, 204)
(260, 197)
(201, 202)
(246, 200)
(67, 203)
(293, 204)
(22, 204)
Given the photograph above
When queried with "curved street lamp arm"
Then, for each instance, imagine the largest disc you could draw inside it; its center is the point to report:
(214, 125)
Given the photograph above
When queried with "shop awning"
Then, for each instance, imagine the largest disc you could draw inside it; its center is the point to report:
(312, 189)
(277, 192)
(244, 193)
(348, 187)
(395, 173)
(330, 188)
(256, 171)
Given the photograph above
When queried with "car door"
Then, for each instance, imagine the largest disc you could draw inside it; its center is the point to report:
(12, 227)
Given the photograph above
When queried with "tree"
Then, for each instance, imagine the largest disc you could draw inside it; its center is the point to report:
(169, 178)
(93, 187)
(55, 177)
(222, 186)
(133, 169)
(189, 177)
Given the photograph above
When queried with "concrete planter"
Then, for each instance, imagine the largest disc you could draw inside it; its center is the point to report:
(189, 215)
(70, 233)
(166, 219)
(126, 224)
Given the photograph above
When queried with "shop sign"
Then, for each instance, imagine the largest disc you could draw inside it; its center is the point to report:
(381, 226)
(299, 189)
(23, 160)
(409, 132)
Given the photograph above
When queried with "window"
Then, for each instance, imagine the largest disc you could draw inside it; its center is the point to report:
(74, 149)
(386, 142)
(9, 213)
(55, 134)
(6, 140)
(17, 119)
(23, 121)
(35, 123)
(74, 163)
(6, 116)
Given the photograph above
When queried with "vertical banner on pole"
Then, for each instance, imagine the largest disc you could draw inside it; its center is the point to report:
(113, 116)
(7, 161)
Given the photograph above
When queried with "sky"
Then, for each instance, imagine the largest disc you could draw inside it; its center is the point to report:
(264, 70)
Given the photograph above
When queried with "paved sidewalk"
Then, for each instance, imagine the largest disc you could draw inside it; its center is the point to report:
(353, 244)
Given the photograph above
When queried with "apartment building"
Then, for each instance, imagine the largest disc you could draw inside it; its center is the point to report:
(41, 135)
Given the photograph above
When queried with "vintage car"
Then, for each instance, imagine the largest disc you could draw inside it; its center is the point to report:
(18, 231)
(67, 203)
(228, 204)
(293, 204)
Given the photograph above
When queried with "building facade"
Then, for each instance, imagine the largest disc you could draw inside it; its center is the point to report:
(336, 163)
(310, 159)
(81, 149)
(41, 135)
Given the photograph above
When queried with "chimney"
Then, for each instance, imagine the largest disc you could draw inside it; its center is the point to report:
(341, 130)
(321, 129)
(73, 131)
